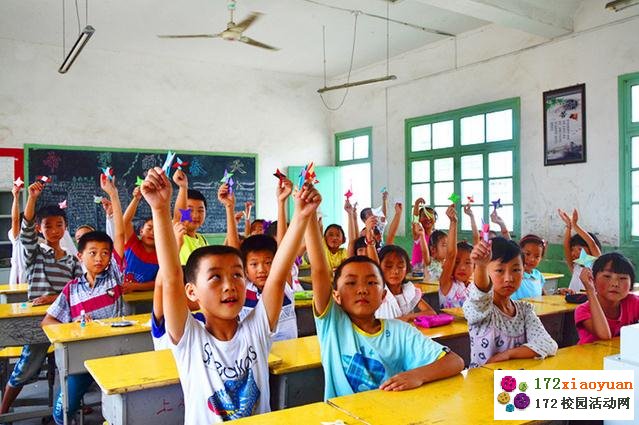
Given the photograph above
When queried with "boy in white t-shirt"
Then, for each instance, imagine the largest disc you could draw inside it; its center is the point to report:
(223, 364)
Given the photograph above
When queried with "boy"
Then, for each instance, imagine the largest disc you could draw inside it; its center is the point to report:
(222, 364)
(96, 294)
(48, 269)
(194, 201)
(360, 352)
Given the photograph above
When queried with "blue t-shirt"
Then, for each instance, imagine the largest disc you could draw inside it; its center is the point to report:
(356, 361)
(531, 286)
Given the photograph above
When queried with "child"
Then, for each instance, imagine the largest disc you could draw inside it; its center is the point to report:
(609, 305)
(438, 247)
(16, 275)
(426, 216)
(223, 365)
(194, 201)
(457, 270)
(532, 285)
(258, 252)
(141, 258)
(405, 300)
(334, 238)
(48, 269)
(501, 329)
(360, 352)
(96, 294)
(573, 246)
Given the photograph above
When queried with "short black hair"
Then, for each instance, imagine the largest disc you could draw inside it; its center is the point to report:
(464, 246)
(533, 239)
(51, 211)
(271, 229)
(577, 240)
(504, 250)
(94, 236)
(618, 262)
(140, 224)
(338, 227)
(435, 237)
(193, 263)
(364, 212)
(197, 195)
(396, 249)
(258, 243)
(85, 226)
(360, 243)
(355, 259)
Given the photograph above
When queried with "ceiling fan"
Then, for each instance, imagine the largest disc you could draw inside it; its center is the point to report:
(233, 31)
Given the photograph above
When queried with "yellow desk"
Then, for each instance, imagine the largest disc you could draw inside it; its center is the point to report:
(75, 344)
(146, 385)
(576, 357)
(315, 413)
(614, 343)
(464, 399)
(139, 302)
(20, 324)
(13, 294)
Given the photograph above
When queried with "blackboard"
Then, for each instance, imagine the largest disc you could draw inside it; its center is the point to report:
(75, 172)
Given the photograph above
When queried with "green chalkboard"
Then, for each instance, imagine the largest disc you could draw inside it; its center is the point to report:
(75, 172)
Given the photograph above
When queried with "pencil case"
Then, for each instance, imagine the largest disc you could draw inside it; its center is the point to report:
(576, 298)
(442, 319)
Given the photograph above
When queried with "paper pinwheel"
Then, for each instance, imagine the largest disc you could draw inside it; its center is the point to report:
(471, 199)
(307, 175)
(44, 179)
(228, 179)
(585, 260)
(383, 189)
(496, 204)
(348, 194)
(454, 198)
(138, 181)
(485, 230)
(97, 199)
(170, 156)
(108, 172)
(179, 164)
(280, 175)
(185, 214)
(63, 205)
(18, 182)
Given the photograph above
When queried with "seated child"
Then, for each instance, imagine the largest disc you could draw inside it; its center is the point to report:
(360, 352)
(532, 285)
(426, 217)
(457, 270)
(95, 295)
(573, 244)
(334, 238)
(438, 247)
(403, 300)
(610, 305)
(501, 329)
(208, 356)
(193, 200)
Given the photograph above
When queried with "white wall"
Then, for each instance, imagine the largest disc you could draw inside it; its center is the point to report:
(142, 101)
(429, 82)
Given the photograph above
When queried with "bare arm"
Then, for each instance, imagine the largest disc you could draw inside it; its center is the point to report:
(473, 223)
(481, 255)
(521, 352)
(35, 190)
(247, 218)
(49, 320)
(156, 189)
(352, 228)
(495, 218)
(227, 199)
(108, 186)
(130, 213)
(306, 202)
(449, 365)
(284, 190)
(15, 211)
(446, 278)
(592, 246)
(394, 224)
(320, 272)
(567, 235)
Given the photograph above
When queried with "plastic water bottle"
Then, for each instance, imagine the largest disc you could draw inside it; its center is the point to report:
(83, 319)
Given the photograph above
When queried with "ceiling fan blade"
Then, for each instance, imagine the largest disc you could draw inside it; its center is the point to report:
(190, 36)
(243, 25)
(256, 43)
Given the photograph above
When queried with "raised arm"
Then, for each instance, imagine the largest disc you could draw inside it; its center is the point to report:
(597, 324)
(473, 223)
(446, 278)
(371, 249)
(495, 218)
(15, 211)
(420, 234)
(320, 271)
(385, 203)
(180, 179)
(108, 185)
(352, 228)
(284, 190)
(156, 190)
(567, 235)
(481, 256)
(306, 202)
(227, 199)
(592, 246)
(130, 213)
(247, 218)
(394, 224)
(35, 190)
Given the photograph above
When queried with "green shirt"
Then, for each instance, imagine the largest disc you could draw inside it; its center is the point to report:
(190, 245)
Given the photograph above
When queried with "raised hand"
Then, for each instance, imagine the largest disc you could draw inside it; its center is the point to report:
(307, 200)
(468, 210)
(399, 207)
(137, 194)
(482, 253)
(418, 229)
(35, 190)
(284, 189)
(179, 230)
(247, 209)
(495, 218)
(225, 196)
(348, 207)
(107, 206)
(108, 185)
(575, 218)
(15, 190)
(564, 216)
(157, 189)
(451, 213)
(180, 179)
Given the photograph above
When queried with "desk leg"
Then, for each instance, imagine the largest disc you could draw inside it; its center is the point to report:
(554, 324)
(62, 362)
(159, 406)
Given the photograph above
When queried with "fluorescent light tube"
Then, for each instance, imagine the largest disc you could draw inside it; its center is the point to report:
(84, 36)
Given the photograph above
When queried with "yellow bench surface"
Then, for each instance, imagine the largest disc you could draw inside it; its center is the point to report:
(463, 399)
(579, 357)
(314, 413)
(20, 288)
(428, 288)
(13, 352)
(296, 354)
(139, 371)
(542, 308)
(133, 297)
(69, 332)
(16, 310)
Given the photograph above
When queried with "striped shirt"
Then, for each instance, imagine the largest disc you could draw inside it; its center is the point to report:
(102, 301)
(45, 274)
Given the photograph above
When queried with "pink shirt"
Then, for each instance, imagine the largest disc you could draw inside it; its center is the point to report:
(416, 256)
(629, 315)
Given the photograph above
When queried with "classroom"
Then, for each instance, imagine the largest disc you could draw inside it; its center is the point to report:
(443, 145)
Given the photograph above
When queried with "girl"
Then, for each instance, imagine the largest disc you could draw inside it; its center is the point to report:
(404, 302)
(501, 329)
(609, 305)
(573, 246)
(427, 217)
(532, 285)
(334, 238)
(457, 269)
(438, 246)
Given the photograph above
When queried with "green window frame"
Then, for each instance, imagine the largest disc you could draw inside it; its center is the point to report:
(475, 136)
(629, 148)
(355, 157)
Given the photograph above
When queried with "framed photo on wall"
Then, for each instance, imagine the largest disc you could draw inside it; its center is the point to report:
(565, 125)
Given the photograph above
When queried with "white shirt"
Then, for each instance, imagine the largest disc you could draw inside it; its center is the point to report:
(575, 282)
(224, 380)
(395, 306)
(18, 266)
(287, 323)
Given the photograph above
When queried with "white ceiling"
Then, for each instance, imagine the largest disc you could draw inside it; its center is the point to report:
(295, 26)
